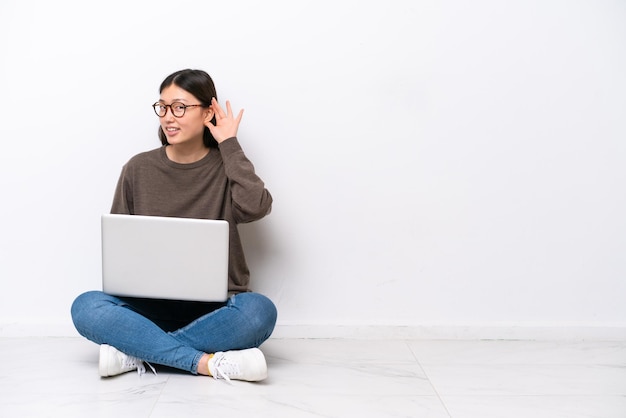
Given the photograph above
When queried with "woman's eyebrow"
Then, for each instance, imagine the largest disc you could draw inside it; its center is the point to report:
(174, 100)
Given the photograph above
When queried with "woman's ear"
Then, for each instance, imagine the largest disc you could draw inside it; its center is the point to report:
(208, 114)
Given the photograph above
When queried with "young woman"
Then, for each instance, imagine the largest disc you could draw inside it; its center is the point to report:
(200, 171)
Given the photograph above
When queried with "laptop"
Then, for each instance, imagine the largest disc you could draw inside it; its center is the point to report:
(165, 258)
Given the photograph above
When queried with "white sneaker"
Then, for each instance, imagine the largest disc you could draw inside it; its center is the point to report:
(114, 362)
(239, 364)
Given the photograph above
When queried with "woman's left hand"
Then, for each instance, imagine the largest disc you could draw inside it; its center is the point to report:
(226, 125)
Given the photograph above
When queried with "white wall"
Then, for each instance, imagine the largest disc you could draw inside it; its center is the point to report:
(448, 164)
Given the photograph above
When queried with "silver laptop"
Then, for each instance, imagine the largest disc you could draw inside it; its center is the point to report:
(165, 258)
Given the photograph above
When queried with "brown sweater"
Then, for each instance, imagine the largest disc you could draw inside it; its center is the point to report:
(223, 185)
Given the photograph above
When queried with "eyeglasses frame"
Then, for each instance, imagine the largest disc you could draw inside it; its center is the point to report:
(185, 106)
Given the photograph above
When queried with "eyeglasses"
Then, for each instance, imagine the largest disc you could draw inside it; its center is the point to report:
(177, 108)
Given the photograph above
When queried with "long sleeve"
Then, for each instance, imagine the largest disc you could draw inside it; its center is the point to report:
(123, 197)
(251, 200)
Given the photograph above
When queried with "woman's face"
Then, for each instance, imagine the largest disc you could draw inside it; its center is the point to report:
(189, 127)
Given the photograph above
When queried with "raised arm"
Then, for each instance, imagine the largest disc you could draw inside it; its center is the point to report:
(251, 200)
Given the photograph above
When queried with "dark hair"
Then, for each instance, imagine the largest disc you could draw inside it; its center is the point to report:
(200, 84)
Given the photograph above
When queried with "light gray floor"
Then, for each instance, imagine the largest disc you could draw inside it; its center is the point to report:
(56, 377)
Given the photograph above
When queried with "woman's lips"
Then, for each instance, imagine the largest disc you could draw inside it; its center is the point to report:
(170, 131)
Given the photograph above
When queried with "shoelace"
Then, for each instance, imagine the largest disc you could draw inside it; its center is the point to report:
(223, 368)
(132, 362)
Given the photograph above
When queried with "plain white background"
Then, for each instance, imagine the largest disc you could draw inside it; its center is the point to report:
(452, 164)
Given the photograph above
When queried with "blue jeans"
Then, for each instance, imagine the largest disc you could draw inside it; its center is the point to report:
(174, 333)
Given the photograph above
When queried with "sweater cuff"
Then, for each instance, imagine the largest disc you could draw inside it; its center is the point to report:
(229, 146)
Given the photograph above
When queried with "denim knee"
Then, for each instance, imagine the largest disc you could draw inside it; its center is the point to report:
(260, 312)
(83, 311)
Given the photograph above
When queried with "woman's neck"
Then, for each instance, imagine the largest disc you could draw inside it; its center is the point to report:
(186, 153)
